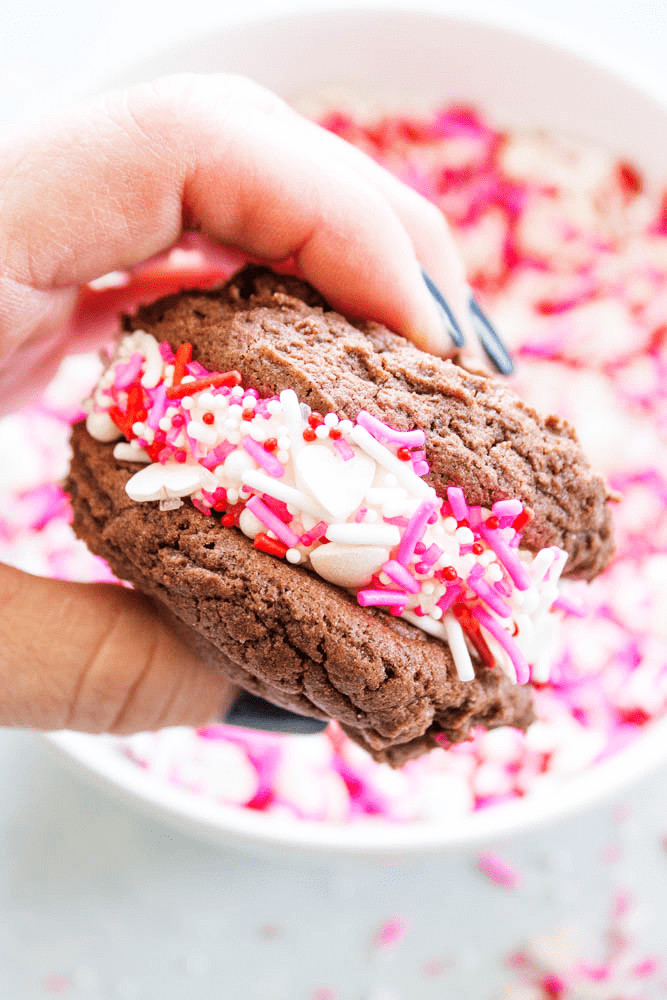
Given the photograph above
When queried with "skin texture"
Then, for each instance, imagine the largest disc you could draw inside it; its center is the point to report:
(113, 184)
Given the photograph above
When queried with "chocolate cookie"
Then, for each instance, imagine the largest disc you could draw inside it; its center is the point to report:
(277, 629)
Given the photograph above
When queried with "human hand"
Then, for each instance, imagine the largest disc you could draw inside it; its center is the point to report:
(108, 186)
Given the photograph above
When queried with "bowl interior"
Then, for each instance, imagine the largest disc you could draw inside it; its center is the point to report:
(417, 60)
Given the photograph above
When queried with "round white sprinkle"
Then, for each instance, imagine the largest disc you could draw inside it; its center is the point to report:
(449, 524)
(466, 564)
(207, 400)
(164, 423)
(293, 556)
(188, 378)
(233, 437)
(237, 391)
(138, 428)
(436, 613)
(274, 407)
(171, 411)
(345, 426)
(249, 402)
(283, 457)
(331, 420)
(487, 557)
(371, 516)
(187, 402)
(169, 370)
(464, 536)
(283, 442)
(428, 588)
(322, 432)
(232, 496)
(494, 573)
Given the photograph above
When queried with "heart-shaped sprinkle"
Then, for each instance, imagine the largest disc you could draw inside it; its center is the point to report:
(337, 485)
(158, 482)
(348, 565)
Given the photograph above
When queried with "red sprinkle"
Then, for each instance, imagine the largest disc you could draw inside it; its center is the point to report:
(177, 420)
(180, 455)
(477, 548)
(403, 454)
(335, 434)
(463, 523)
(309, 434)
(315, 419)
(227, 520)
(183, 356)
(271, 545)
(208, 418)
(450, 573)
(522, 519)
(248, 415)
(473, 631)
(270, 444)
(492, 522)
(210, 382)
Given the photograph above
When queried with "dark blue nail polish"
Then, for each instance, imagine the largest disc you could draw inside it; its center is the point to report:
(490, 341)
(453, 328)
(251, 712)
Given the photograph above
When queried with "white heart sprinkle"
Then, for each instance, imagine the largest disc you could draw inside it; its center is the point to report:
(158, 482)
(348, 565)
(338, 485)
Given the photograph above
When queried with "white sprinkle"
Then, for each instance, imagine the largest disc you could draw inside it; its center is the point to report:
(138, 428)
(237, 391)
(293, 556)
(457, 644)
(283, 442)
(274, 406)
(101, 427)
(494, 573)
(364, 534)
(248, 523)
(206, 400)
(425, 623)
(164, 423)
(169, 370)
(464, 536)
(449, 524)
(371, 516)
(187, 402)
(249, 402)
(232, 495)
(402, 470)
(281, 491)
(125, 452)
(436, 613)
(171, 503)
(234, 437)
(322, 432)
(331, 420)
(171, 411)
(153, 365)
(188, 378)
(283, 457)
(292, 412)
(345, 426)
(428, 588)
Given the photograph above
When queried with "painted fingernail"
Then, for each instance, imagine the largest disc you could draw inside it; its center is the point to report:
(251, 712)
(490, 341)
(453, 328)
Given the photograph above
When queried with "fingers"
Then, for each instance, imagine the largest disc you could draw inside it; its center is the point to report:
(118, 180)
(96, 658)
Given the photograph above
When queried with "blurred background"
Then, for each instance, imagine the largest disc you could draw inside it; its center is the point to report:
(99, 902)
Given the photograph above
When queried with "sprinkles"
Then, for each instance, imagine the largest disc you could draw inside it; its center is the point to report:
(346, 498)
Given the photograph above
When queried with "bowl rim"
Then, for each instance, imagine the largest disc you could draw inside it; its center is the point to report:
(377, 839)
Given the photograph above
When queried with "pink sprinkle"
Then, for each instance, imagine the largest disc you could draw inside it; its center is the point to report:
(201, 507)
(400, 575)
(360, 515)
(263, 458)
(343, 449)
(489, 596)
(431, 555)
(385, 598)
(382, 432)
(165, 455)
(218, 455)
(457, 502)
(314, 534)
(596, 973)
(507, 557)
(125, 375)
(498, 870)
(166, 352)
(507, 508)
(449, 597)
(506, 641)
(475, 517)
(414, 531)
(279, 508)
(421, 468)
(273, 523)
(399, 521)
(194, 368)
(391, 933)
(324, 993)
(159, 406)
(564, 603)
(647, 967)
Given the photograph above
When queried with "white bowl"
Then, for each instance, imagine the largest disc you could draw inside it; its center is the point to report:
(417, 58)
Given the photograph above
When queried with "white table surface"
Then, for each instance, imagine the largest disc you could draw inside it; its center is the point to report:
(99, 902)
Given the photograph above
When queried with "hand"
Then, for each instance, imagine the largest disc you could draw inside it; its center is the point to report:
(108, 186)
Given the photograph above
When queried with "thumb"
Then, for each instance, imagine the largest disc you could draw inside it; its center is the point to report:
(97, 658)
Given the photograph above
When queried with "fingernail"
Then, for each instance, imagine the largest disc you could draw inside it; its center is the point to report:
(453, 328)
(251, 712)
(490, 341)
